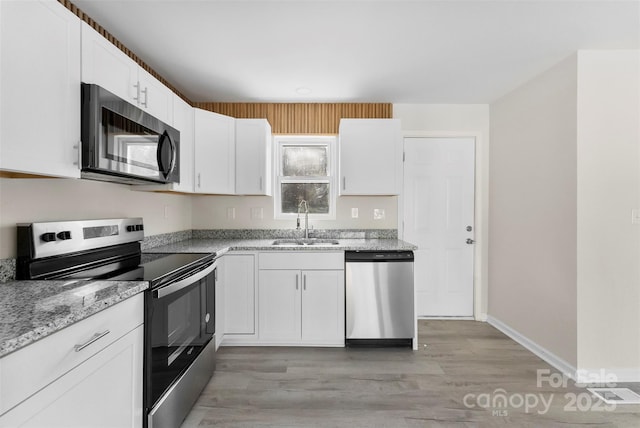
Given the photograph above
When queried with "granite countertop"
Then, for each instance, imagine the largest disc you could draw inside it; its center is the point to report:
(221, 246)
(32, 310)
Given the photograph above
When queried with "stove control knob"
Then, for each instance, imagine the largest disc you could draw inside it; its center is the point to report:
(48, 237)
(64, 235)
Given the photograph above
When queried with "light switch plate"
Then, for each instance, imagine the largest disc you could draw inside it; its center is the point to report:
(354, 213)
(378, 214)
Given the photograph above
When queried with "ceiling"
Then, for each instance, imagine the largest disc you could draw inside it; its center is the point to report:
(394, 51)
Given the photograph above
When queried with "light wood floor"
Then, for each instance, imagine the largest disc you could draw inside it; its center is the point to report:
(452, 382)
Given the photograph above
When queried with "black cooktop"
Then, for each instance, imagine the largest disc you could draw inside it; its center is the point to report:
(165, 266)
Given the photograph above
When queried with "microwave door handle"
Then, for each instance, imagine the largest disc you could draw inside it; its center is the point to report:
(166, 169)
(174, 152)
(179, 285)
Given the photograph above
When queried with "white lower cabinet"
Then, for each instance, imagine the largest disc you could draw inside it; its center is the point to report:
(220, 302)
(301, 306)
(238, 277)
(54, 383)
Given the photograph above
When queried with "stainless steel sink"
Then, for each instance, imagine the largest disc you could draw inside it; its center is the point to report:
(310, 241)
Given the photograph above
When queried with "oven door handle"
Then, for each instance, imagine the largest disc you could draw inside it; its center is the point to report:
(179, 285)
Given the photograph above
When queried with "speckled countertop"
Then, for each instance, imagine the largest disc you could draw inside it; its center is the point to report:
(32, 310)
(221, 246)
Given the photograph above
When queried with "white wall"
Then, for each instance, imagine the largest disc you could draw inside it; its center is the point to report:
(29, 200)
(532, 219)
(210, 212)
(444, 120)
(608, 189)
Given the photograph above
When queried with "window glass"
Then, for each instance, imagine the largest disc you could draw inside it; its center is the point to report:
(316, 195)
(305, 169)
(301, 161)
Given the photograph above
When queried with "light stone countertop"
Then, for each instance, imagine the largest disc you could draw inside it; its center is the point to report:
(32, 310)
(221, 246)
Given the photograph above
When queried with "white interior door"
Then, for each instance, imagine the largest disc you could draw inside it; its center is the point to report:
(439, 218)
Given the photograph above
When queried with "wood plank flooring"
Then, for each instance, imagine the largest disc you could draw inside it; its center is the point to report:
(457, 380)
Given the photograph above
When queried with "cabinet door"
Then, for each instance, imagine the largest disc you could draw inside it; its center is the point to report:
(107, 66)
(220, 301)
(279, 303)
(183, 122)
(104, 391)
(214, 153)
(40, 80)
(323, 306)
(253, 157)
(370, 156)
(155, 98)
(239, 294)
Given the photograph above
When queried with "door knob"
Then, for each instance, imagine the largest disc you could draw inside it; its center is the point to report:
(470, 241)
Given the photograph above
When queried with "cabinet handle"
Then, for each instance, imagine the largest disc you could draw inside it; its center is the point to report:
(137, 97)
(304, 282)
(261, 183)
(95, 337)
(198, 179)
(145, 91)
(344, 183)
(78, 147)
(296, 281)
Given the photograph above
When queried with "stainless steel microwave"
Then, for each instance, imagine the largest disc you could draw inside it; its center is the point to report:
(125, 144)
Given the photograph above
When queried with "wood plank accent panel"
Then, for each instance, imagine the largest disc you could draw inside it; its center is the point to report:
(301, 118)
(86, 18)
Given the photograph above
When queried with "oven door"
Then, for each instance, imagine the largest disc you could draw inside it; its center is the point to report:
(180, 323)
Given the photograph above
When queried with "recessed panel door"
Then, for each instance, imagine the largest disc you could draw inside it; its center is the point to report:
(439, 218)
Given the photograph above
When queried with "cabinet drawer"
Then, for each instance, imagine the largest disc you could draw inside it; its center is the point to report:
(302, 260)
(28, 370)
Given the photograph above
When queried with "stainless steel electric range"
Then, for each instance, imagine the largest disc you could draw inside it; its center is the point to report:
(179, 353)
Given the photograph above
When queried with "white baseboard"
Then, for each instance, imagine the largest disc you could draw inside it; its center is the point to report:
(555, 361)
(446, 318)
(591, 376)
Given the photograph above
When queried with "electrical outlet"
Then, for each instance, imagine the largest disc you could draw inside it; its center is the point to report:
(354, 213)
(378, 214)
(231, 213)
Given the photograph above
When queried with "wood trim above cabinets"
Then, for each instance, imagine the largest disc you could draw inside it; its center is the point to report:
(301, 118)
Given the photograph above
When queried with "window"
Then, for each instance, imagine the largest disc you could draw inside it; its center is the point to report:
(305, 169)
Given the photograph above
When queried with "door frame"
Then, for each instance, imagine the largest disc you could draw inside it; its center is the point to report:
(481, 217)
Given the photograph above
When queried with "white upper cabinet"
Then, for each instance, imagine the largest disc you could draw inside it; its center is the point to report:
(40, 80)
(154, 97)
(183, 122)
(253, 157)
(107, 66)
(370, 156)
(215, 153)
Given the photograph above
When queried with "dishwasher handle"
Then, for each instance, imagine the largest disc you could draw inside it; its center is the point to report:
(378, 256)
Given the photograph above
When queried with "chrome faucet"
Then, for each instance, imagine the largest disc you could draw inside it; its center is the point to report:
(306, 218)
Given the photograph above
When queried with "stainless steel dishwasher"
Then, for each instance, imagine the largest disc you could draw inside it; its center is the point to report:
(379, 298)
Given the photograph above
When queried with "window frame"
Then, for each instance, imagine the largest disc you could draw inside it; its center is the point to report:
(331, 142)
